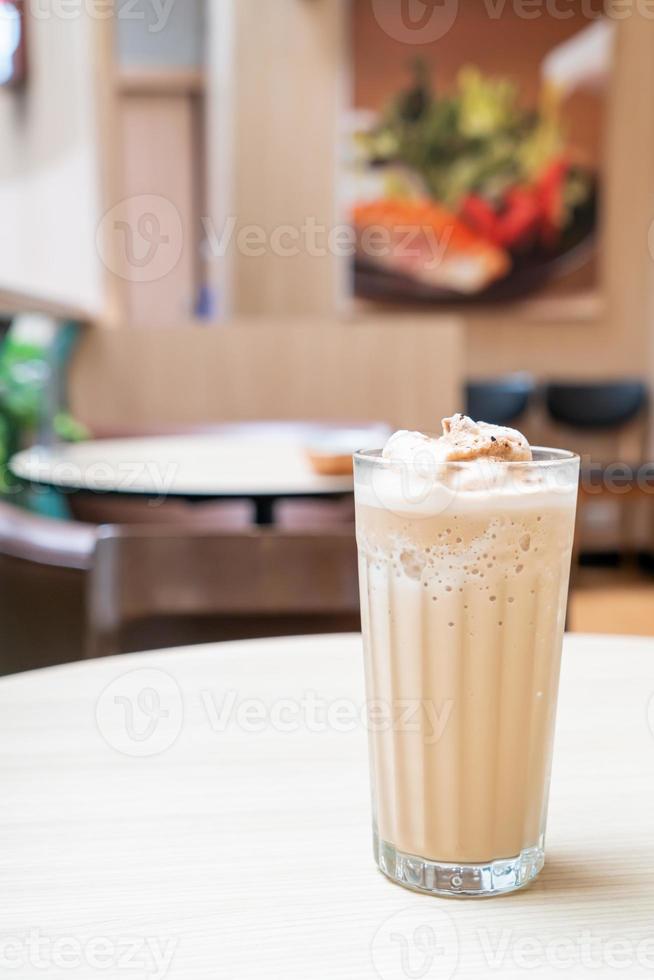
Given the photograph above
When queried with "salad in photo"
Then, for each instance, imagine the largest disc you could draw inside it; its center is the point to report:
(472, 192)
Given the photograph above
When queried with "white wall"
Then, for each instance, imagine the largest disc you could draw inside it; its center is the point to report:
(49, 168)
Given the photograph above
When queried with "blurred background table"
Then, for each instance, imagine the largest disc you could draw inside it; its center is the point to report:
(262, 462)
(196, 801)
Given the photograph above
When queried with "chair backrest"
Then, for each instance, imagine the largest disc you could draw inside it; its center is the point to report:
(596, 405)
(149, 572)
(501, 401)
(44, 541)
(606, 421)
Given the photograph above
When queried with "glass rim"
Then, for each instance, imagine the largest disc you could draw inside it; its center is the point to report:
(544, 456)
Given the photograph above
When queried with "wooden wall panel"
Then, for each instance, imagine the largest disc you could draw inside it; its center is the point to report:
(274, 113)
(407, 372)
(158, 139)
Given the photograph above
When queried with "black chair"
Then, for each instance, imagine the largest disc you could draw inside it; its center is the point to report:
(499, 400)
(595, 405)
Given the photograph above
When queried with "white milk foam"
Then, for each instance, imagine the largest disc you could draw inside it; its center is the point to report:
(476, 486)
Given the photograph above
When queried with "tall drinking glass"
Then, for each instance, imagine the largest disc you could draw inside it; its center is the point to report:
(464, 572)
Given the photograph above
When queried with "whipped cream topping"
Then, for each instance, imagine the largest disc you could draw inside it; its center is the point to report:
(463, 470)
(462, 440)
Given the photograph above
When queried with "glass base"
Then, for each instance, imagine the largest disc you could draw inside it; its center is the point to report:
(459, 880)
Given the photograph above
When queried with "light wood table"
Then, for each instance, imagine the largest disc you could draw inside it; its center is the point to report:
(233, 840)
(261, 462)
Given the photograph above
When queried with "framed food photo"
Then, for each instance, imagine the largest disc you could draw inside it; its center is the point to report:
(475, 150)
(13, 55)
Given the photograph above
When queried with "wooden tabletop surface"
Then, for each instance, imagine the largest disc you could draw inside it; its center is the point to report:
(203, 814)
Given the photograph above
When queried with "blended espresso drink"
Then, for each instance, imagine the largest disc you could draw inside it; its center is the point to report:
(464, 545)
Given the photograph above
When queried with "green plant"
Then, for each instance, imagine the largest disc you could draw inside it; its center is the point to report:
(475, 140)
(29, 366)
